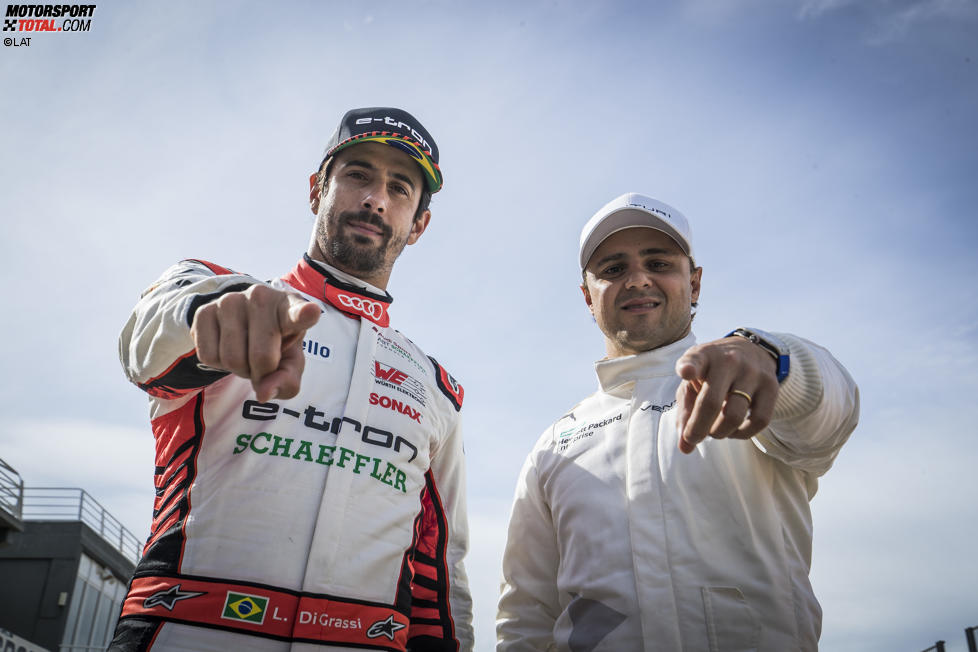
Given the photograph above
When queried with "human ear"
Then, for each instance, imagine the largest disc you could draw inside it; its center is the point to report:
(314, 193)
(418, 227)
(694, 284)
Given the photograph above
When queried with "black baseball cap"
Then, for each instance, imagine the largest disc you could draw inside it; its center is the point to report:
(394, 127)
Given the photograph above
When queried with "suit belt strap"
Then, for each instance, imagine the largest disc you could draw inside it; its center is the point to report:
(268, 612)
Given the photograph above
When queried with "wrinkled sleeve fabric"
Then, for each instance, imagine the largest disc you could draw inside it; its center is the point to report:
(816, 410)
(155, 347)
(529, 603)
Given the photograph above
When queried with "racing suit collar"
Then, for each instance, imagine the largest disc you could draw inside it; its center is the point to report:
(615, 372)
(339, 276)
(343, 291)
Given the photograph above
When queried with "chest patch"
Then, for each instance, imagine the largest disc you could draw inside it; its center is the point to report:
(570, 436)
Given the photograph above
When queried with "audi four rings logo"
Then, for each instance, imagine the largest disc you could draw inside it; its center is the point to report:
(373, 309)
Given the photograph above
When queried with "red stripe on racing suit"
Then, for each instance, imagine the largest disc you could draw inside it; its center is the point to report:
(268, 612)
(432, 624)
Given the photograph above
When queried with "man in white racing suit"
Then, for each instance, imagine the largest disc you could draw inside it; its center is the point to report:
(669, 510)
(310, 484)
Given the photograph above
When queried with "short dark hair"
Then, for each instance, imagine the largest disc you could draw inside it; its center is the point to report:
(423, 202)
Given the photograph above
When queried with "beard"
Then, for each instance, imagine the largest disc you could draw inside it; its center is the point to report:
(638, 336)
(355, 252)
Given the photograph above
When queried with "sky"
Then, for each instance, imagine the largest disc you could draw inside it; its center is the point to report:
(825, 153)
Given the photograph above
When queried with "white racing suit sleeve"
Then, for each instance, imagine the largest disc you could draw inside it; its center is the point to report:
(816, 410)
(155, 347)
(528, 604)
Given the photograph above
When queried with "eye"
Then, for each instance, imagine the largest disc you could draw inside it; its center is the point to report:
(356, 174)
(658, 265)
(611, 270)
(400, 189)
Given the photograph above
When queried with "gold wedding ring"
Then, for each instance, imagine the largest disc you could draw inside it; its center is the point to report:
(741, 393)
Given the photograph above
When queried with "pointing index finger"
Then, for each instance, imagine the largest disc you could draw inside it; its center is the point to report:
(692, 366)
(296, 315)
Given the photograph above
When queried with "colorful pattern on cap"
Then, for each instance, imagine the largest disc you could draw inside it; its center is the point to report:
(407, 145)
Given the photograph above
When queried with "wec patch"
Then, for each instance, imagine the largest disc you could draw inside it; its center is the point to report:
(245, 608)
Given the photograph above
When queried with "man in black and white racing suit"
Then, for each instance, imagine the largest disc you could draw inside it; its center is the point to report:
(309, 470)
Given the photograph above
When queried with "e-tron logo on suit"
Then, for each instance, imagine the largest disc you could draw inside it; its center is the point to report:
(317, 420)
(372, 309)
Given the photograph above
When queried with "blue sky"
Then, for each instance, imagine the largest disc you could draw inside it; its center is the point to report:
(824, 151)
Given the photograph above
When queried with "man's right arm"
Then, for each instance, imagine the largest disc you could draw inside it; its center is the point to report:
(200, 321)
(156, 349)
(528, 604)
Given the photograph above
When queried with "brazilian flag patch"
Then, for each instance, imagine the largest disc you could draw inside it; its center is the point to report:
(245, 608)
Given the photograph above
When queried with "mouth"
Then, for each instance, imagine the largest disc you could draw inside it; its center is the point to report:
(365, 228)
(640, 305)
(364, 225)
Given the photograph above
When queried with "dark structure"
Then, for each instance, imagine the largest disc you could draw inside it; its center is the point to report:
(64, 564)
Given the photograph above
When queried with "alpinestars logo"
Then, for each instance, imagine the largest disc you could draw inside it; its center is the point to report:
(385, 628)
(168, 598)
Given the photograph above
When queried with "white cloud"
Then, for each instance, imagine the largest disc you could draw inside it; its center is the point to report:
(815, 8)
(892, 20)
(901, 24)
(113, 464)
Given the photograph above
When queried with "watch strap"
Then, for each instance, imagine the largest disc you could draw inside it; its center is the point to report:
(770, 343)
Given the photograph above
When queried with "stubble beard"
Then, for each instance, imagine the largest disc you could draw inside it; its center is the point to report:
(652, 336)
(354, 252)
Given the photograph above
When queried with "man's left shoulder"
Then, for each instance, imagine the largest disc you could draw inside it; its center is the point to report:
(450, 387)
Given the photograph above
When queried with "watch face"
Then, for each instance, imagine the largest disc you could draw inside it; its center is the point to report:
(772, 342)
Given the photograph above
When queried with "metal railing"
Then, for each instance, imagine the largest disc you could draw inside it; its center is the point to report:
(11, 490)
(969, 635)
(72, 504)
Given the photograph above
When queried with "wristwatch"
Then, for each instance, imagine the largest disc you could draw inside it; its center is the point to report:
(770, 343)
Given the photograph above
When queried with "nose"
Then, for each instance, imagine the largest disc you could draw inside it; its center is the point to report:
(376, 198)
(638, 278)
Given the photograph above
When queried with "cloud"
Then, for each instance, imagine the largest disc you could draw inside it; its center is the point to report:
(815, 8)
(113, 464)
(901, 23)
(891, 20)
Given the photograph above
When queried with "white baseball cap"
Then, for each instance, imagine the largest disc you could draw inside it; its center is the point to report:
(630, 210)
